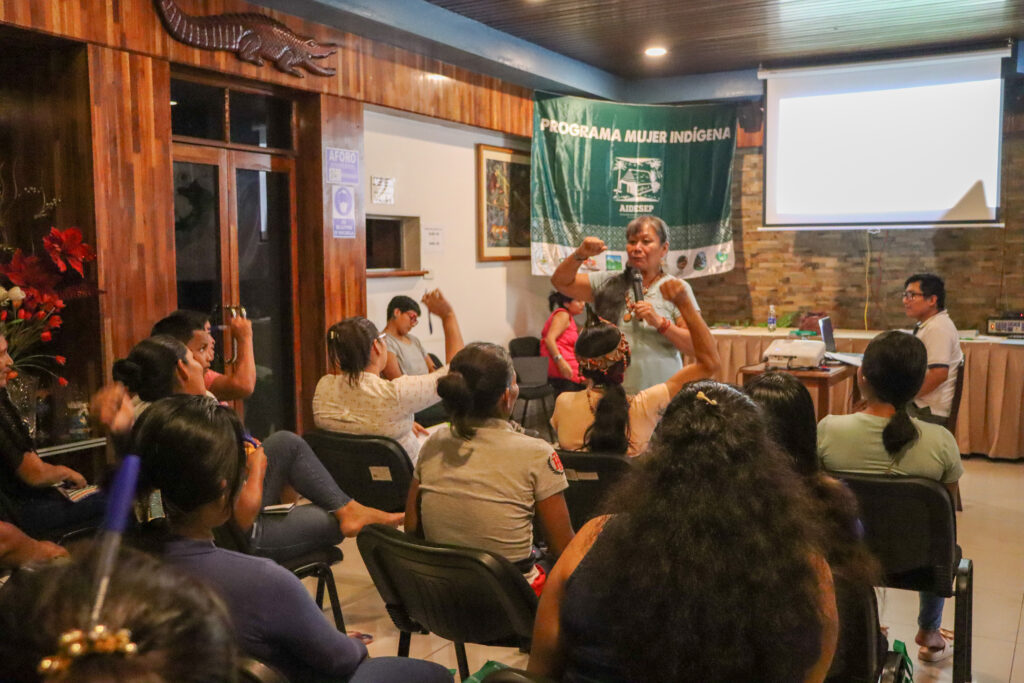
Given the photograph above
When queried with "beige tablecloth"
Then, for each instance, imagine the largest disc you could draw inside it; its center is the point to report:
(990, 408)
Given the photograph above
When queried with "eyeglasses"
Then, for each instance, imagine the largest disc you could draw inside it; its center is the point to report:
(413, 318)
(911, 295)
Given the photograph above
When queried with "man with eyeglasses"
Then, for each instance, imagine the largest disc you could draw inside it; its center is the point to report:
(406, 355)
(924, 299)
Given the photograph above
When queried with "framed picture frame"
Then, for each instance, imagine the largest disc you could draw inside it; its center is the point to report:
(503, 204)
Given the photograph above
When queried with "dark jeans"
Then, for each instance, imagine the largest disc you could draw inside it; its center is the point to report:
(925, 414)
(49, 515)
(399, 670)
(290, 460)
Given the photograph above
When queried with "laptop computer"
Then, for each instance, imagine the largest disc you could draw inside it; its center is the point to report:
(829, 337)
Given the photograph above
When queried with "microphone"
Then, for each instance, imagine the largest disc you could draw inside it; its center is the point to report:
(638, 287)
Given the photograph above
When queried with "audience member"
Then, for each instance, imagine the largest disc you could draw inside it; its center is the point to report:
(480, 481)
(27, 481)
(558, 342)
(654, 327)
(884, 439)
(192, 329)
(924, 300)
(604, 418)
(176, 629)
(711, 570)
(158, 367)
(406, 355)
(192, 452)
(358, 400)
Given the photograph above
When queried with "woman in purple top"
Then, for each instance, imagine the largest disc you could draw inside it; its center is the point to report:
(191, 450)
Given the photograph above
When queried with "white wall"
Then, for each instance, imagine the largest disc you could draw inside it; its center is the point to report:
(434, 167)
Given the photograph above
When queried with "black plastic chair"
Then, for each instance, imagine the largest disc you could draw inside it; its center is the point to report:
(316, 563)
(436, 361)
(254, 671)
(861, 654)
(524, 346)
(958, 392)
(532, 376)
(910, 526)
(374, 470)
(462, 594)
(590, 476)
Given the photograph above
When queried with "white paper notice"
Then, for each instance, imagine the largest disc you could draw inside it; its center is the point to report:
(433, 240)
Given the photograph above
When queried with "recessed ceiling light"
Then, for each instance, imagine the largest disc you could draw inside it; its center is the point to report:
(655, 52)
(437, 77)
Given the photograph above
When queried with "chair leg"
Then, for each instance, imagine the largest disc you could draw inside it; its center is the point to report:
(460, 656)
(321, 584)
(963, 619)
(327, 579)
(404, 640)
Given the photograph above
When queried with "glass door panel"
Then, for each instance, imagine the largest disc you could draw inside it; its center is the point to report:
(263, 221)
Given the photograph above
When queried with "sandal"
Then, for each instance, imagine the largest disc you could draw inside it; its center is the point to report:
(930, 654)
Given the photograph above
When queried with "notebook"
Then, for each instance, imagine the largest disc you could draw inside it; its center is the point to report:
(829, 337)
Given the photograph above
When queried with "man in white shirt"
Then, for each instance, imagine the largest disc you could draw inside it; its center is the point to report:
(924, 299)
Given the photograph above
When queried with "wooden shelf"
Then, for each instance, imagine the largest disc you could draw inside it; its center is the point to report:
(396, 273)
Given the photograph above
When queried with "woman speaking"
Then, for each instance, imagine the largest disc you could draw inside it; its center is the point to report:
(653, 326)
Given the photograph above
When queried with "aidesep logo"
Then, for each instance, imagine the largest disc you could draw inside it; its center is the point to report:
(637, 179)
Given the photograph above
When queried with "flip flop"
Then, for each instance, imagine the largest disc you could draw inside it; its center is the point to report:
(929, 654)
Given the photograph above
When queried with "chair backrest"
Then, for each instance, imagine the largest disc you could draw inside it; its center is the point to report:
(860, 652)
(954, 407)
(531, 371)
(910, 526)
(590, 476)
(524, 346)
(254, 671)
(436, 361)
(462, 594)
(374, 470)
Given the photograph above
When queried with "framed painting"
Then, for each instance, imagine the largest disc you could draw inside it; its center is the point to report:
(503, 204)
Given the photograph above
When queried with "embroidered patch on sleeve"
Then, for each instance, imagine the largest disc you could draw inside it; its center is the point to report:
(555, 463)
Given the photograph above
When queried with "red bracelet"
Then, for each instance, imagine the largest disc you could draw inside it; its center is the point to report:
(664, 325)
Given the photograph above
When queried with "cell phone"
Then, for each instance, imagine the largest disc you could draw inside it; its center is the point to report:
(279, 509)
(68, 490)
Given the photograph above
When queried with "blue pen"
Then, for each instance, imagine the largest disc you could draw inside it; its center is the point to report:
(119, 505)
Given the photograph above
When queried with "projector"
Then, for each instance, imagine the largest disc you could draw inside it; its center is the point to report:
(793, 354)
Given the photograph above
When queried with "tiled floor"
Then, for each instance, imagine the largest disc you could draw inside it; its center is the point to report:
(991, 533)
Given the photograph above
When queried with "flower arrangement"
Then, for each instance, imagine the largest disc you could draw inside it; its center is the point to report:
(33, 292)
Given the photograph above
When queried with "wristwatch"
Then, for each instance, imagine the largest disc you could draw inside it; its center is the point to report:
(557, 357)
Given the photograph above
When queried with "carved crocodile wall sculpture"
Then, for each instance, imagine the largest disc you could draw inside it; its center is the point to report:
(253, 37)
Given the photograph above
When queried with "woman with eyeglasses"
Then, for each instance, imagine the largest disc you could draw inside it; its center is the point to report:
(357, 400)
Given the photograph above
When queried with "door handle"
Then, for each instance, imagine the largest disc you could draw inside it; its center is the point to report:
(236, 312)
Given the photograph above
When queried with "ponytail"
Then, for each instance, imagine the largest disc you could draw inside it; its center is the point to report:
(458, 401)
(150, 369)
(900, 432)
(477, 378)
(609, 433)
(610, 297)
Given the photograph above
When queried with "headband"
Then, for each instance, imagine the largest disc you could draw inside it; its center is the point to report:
(603, 363)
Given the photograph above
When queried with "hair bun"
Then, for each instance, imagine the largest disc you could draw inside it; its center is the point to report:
(128, 373)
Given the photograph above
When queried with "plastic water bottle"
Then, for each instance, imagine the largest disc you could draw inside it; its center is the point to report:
(771, 317)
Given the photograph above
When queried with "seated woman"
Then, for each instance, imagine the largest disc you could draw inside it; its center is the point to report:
(558, 342)
(603, 418)
(883, 439)
(192, 451)
(480, 481)
(358, 400)
(158, 367)
(179, 627)
(710, 571)
(27, 482)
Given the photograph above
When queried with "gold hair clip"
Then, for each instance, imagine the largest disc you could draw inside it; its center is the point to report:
(704, 397)
(77, 643)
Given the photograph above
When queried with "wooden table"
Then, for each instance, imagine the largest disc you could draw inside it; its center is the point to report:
(819, 382)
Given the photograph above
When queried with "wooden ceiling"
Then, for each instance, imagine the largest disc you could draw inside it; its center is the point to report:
(704, 36)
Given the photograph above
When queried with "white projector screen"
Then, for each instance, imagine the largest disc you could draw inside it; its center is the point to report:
(903, 143)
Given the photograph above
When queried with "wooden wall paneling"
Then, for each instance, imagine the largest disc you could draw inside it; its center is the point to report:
(367, 71)
(131, 123)
(329, 270)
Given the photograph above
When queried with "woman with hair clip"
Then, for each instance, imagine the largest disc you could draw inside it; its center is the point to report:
(480, 481)
(178, 630)
(711, 570)
(558, 342)
(358, 400)
(883, 439)
(653, 325)
(604, 418)
(192, 452)
(162, 366)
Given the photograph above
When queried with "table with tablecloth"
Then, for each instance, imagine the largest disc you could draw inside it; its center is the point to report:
(989, 422)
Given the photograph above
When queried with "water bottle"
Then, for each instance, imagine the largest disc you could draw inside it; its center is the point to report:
(771, 317)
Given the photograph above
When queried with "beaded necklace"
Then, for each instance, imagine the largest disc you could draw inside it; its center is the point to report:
(627, 316)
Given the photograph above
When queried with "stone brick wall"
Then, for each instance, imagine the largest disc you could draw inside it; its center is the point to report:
(832, 270)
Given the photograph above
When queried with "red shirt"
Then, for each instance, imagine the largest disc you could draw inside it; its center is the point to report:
(566, 344)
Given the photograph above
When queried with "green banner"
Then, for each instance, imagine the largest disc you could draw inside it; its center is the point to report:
(598, 165)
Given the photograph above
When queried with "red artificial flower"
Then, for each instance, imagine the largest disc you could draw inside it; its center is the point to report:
(3, 316)
(24, 315)
(54, 322)
(67, 249)
(63, 382)
(61, 360)
(29, 272)
(45, 336)
(40, 314)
